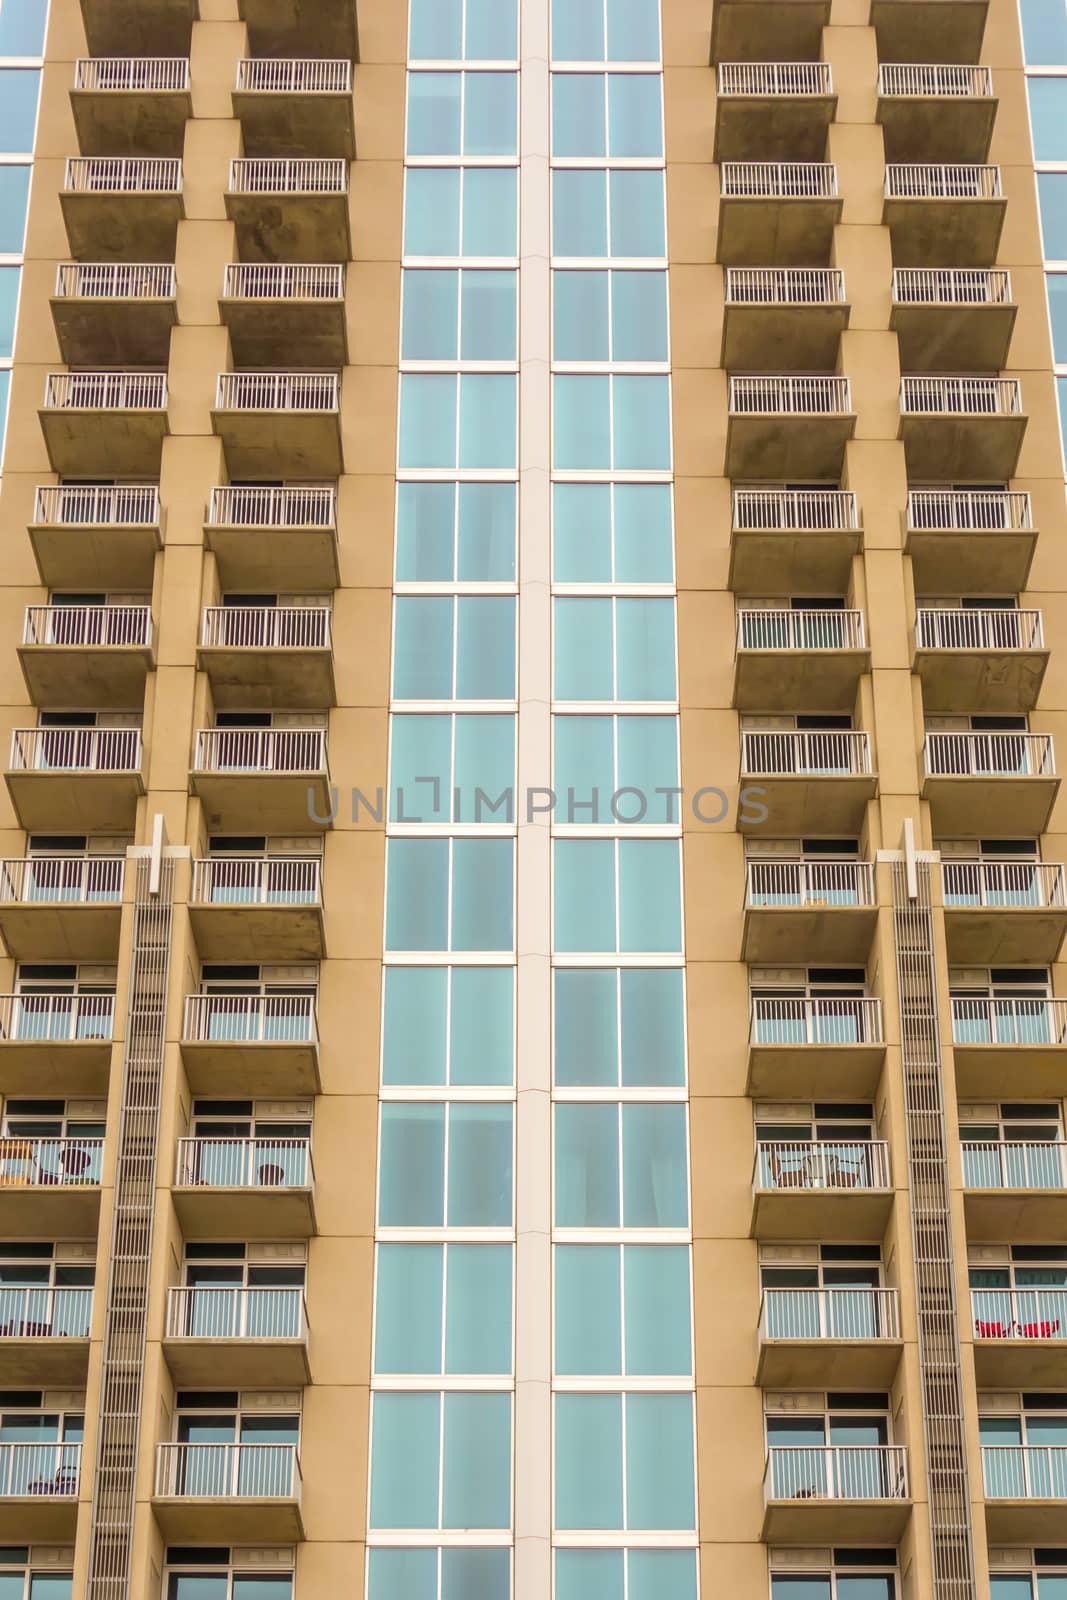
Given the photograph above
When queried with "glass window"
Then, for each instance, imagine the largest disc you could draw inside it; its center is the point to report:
(449, 1025)
(22, 34)
(449, 532)
(450, 894)
(9, 294)
(616, 769)
(1044, 32)
(443, 1308)
(605, 30)
(14, 193)
(611, 423)
(451, 315)
(619, 1027)
(453, 420)
(51, 1586)
(1048, 117)
(463, 30)
(462, 113)
(18, 108)
(454, 647)
(452, 211)
(651, 1489)
(608, 214)
(622, 1310)
(5, 384)
(1061, 394)
(609, 316)
(621, 1166)
(1052, 195)
(451, 1574)
(613, 649)
(452, 768)
(445, 1165)
(441, 1461)
(626, 1575)
(617, 894)
(612, 533)
(1056, 283)
(615, 114)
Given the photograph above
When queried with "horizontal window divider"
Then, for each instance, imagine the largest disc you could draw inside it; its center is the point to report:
(598, 369)
(451, 830)
(442, 1235)
(619, 1539)
(628, 591)
(431, 707)
(423, 1382)
(458, 475)
(461, 161)
(623, 1385)
(471, 263)
(603, 263)
(443, 1093)
(614, 958)
(608, 163)
(450, 1538)
(616, 708)
(621, 1235)
(472, 367)
(614, 830)
(606, 475)
(614, 1094)
(458, 958)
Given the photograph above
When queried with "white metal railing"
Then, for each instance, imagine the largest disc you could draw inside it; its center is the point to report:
(270, 280)
(926, 181)
(1003, 883)
(917, 82)
(261, 1163)
(951, 286)
(1019, 1313)
(41, 1313)
(984, 755)
(824, 510)
(115, 280)
(250, 1018)
(836, 1472)
(283, 175)
(56, 1018)
(132, 505)
(959, 629)
(73, 880)
(789, 286)
(852, 1020)
(778, 180)
(266, 628)
(257, 881)
(820, 1164)
(979, 1020)
(105, 391)
(228, 1471)
(277, 391)
(829, 1314)
(790, 396)
(834, 753)
(271, 75)
(781, 629)
(273, 508)
(262, 750)
(123, 175)
(969, 510)
(76, 750)
(1025, 1471)
(50, 1470)
(971, 397)
(809, 883)
(1014, 1163)
(210, 1313)
(132, 74)
(88, 626)
(774, 77)
(27, 1163)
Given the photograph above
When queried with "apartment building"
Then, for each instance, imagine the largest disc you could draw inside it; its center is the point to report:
(533, 1053)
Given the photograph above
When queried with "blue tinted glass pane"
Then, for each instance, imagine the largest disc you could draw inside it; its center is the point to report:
(425, 532)
(633, 30)
(580, 316)
(579, 214)
(635, 114)
(655, 1181)
(431, 212)
(577, 30)
(653, 1042)
(645, 649)
(431, 316)
(1048, 117)
(411, 1181)
(1061, 393)
(485, 648)
(402, 1575)
(14, 191)
(486, 532)
(490, 118)
(657, 1311)
(790, 1588)
(639, 316)
(663, 1575)
(416, 912)
(478, 1325)
(485, 768)
(477, 1461)
(197, 1586)
(435, 30)
(427, 419)
(479, 1166)
(659, 1461)
(1057, 305)
(405, 1459)
(581, 532)
(22, 34)
(582, 649)
(483, 1025)
(487, 420)
(422, 647)
(1044, 32)
(482, 894)
(1052, 194)
(588, 1461)
(638, 226)
(865, 1586)
(648, 760)
(492, 30)
(588, 1310)
(475, 1574)
(413, 1031)
(642, 424)
(434, 113)
(421, 749)
(61, 1587)
(9, 293)
(584, 895)
(644, 540)
(1052, 1587)
(490, 211)
(18, 108)
(590, 1575)
(489, 316)
(581, 422)
(407, 1317)
(578, 127)
(586, 1028)
(584, 768)
(587, 1166)
(5, 385)
(1014, 1587)
(650, 895)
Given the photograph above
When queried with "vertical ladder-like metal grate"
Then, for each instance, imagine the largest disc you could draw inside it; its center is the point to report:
(131, 1239)
(939, 1345)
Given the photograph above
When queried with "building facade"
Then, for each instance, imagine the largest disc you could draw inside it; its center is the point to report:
(531, 1053)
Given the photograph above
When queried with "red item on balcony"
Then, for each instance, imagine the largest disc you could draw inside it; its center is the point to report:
(991, 1330)
(1039, 1330)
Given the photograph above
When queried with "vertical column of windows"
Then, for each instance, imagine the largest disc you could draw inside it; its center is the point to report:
(1044, 29)
(22, 28)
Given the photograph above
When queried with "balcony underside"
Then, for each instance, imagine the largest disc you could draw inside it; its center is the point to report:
(1004, 1216)
(139, 27)
(44, 1211)
(1026, 1071)
(826, 1521)
(242, 1520)
(264, 559)
(301, 28)
(929, 30)
(759, 232)
(290, 227)
(75, 677)
(953, 338)
(280, 444)
(773, 127)
(798, 680)
(103, 444)
(45, 1363)
(125, 226)
(275, 1069)
(38, 1518)
(305, 125)
(971, 448)
(75, 1068)
(944, 233)
(95, 332)
(75, 802)
(238, 1363)
(36, 930)
(828, 1363)
(262, 802)
(845, 1214)
(765, 338)
(815, 1071)
(787, 446)
(1025, 1521)
(98, 557)
(981, 682)
(810, 935)
(264, 680)
(286, 333)
(259, 1213)
(972, 561)
(793, 561)
(1004, 936)
(235, 932)
(801, 804)
(119, 122)
(998, 806)
(768, 30)
(1021, 1363)
(933, 127)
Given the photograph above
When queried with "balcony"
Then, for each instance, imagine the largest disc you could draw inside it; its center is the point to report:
(249, 908)
(76, 780)
(970, 541)
(245, 1188)
(114, 315)
(289, 107)
(56, 1044)
(62, 908)
(762, 30)
(320, 29)
(216, 1492)
(952, 319)
(788, 427)
(777, 213)
(1009, 1044)
(39, 1491)
(814, 1494)
(811, 782)
(773, 109)
(936, 113)
(961, 427)
(1020, 1337)
(817, 1190)
(979, 661)
(815, 913)
(131, 106)
(817, 1338)
(274, 539)
(1025, 1492)
(1003, 913)
(929, 30)
(280, 424)
(944, 216)
(262, 780)
(122, 208)
(816, 1049)
(249, 1044)
(989, 785)
(247, 1338)
(103, 424)
(289, 314)
(802, 539)
(268, 656)
(96, 538)
(1015, 1190)
(44, 1337)
(50, 1188)
(776, 315)
(139, 27)
(287, 210)
(87, 656)
(799, 660)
